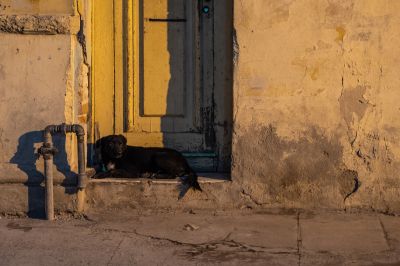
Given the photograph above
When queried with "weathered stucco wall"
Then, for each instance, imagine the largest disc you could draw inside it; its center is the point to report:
(317, 102)
(43, 80)
(315, 99)
(33, 77)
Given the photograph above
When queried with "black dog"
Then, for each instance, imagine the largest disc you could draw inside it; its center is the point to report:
(121, 160)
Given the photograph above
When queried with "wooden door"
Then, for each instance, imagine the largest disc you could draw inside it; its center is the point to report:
(163, 76)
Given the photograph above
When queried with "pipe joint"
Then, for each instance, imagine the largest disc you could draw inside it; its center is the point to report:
(82, 181)
(47, 150)
(63, 128)
(79, 130)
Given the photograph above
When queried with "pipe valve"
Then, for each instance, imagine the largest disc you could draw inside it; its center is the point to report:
(47, 150)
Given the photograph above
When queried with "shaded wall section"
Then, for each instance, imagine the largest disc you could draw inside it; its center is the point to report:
(316, 102)
(32, 92)
(43, 80)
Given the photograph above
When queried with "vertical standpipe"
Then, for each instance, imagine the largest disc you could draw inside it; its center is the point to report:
(48, 151)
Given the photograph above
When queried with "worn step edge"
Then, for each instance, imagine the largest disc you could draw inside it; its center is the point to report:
(202, 179)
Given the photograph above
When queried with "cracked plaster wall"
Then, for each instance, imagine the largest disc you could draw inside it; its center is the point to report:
(316, 102)
(43, 80)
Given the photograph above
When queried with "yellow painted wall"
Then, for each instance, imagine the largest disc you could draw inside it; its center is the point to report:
(317, 101)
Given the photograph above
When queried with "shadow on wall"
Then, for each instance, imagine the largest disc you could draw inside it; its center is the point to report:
(25, 158)
(182, 96)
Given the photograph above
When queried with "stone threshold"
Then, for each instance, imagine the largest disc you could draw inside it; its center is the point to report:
(202, 178)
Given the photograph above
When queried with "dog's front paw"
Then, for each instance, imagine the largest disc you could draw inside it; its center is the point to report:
(146, 175)
(101, 175)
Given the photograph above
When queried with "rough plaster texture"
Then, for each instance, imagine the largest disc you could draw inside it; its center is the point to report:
(35, 24)
(316, 102)
(39, 86)
(32, 94)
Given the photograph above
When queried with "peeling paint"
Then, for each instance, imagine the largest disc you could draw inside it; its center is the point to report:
(341, 31)
(289, 169)
(352, 102)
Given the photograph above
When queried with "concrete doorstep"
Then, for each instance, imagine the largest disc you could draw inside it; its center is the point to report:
(199, 237)
(21, 198)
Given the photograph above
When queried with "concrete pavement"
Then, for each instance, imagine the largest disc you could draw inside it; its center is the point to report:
(267, 237)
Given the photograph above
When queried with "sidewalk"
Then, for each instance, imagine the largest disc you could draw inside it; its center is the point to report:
(131, 237)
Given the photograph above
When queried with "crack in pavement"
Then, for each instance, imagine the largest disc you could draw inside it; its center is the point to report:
(204, 247)
(299, 239)
(115, 251)
(225, 245)
(385, 235)
(213, 245)
(112, 230)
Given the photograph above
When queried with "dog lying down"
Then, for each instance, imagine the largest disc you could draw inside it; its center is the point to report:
(121, 160)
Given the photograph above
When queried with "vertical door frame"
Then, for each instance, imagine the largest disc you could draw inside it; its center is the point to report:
(102, 68)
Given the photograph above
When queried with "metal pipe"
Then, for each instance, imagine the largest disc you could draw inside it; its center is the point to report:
(48, 151)
(49, 203)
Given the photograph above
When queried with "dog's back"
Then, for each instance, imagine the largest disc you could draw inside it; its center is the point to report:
(158, 160)
(166, 163)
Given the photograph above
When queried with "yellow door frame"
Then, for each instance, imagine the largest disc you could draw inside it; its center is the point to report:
(102, 78)
(106, 49)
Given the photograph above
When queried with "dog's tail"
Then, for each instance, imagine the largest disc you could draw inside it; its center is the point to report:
(189, 181)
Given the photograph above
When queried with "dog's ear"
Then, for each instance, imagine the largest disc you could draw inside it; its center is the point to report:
(102, 142)
(123, 138)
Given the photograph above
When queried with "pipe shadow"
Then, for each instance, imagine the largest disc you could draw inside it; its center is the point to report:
(26, 158)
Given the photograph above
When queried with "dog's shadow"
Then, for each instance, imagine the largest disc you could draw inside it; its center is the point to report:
(26, 158)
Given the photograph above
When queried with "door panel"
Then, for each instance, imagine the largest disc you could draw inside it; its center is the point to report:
(161, 81)
(163, 73)
(163, 62)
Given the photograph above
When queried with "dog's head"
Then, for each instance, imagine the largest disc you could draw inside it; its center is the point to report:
(113, 146)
